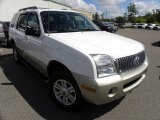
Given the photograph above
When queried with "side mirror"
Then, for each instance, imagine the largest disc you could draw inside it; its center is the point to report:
(32, 31)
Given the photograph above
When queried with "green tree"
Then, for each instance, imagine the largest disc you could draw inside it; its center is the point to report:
(156, 11)
(96, 16)
(126, 16)
(150, 17)
(158, 17)
(120, 19)
(132, 12)
(140, 19)
(112, 20)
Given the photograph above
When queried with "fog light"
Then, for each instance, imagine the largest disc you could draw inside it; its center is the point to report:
(112, 92)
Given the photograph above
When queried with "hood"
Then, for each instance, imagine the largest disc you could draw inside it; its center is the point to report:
(99, 42)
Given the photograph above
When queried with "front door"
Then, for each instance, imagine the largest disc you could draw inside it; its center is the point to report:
(33, 43)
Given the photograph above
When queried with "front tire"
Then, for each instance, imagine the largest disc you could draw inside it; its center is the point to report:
(65, 90)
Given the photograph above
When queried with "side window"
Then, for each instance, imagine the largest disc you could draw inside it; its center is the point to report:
(22, 22)
(33, 21)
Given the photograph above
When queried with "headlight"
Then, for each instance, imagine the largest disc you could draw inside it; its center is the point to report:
(105, 65)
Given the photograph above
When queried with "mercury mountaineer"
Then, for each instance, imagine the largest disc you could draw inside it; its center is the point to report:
(80, 61)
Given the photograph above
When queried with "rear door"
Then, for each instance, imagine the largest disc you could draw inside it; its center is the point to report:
(20, 36)
(12, 27)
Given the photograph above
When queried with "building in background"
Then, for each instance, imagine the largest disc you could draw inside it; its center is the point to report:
(86, 13)
(9, 7)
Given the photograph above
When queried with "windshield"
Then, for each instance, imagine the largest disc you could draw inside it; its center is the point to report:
(57, 21)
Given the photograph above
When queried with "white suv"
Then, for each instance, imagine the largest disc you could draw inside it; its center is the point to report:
(150, 26)
(141, 26)
(80, 61)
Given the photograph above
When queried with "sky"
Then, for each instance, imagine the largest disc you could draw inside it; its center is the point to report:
(112, 8)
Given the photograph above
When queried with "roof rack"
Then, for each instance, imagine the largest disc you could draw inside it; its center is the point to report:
(33, 7)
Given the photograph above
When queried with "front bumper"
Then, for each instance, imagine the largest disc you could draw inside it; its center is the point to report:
(103, 90)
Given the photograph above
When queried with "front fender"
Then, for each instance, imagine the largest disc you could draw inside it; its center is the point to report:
(74, 60)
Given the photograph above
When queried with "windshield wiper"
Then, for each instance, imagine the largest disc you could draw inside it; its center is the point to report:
(72, 30)
(64, 30)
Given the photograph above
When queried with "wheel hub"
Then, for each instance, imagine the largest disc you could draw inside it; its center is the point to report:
(64, 92)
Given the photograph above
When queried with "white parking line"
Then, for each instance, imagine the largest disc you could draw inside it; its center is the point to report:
(1, 50)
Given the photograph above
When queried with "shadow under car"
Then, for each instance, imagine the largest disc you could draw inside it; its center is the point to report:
(36, 94)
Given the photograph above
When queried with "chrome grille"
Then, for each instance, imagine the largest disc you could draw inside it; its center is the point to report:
(129, 63)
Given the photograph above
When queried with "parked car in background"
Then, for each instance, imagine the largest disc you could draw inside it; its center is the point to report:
(2, 36)
(135, 25)
(150, 26)
(102, 26)
(121, 25)
(141, 25)
(157, 27)
(80, 61)
(113, 28)
(4, 33)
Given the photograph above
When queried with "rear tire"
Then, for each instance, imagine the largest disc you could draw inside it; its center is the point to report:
(65, 91)
(7, 43)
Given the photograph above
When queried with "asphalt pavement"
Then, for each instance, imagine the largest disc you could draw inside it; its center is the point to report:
(23, 96)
